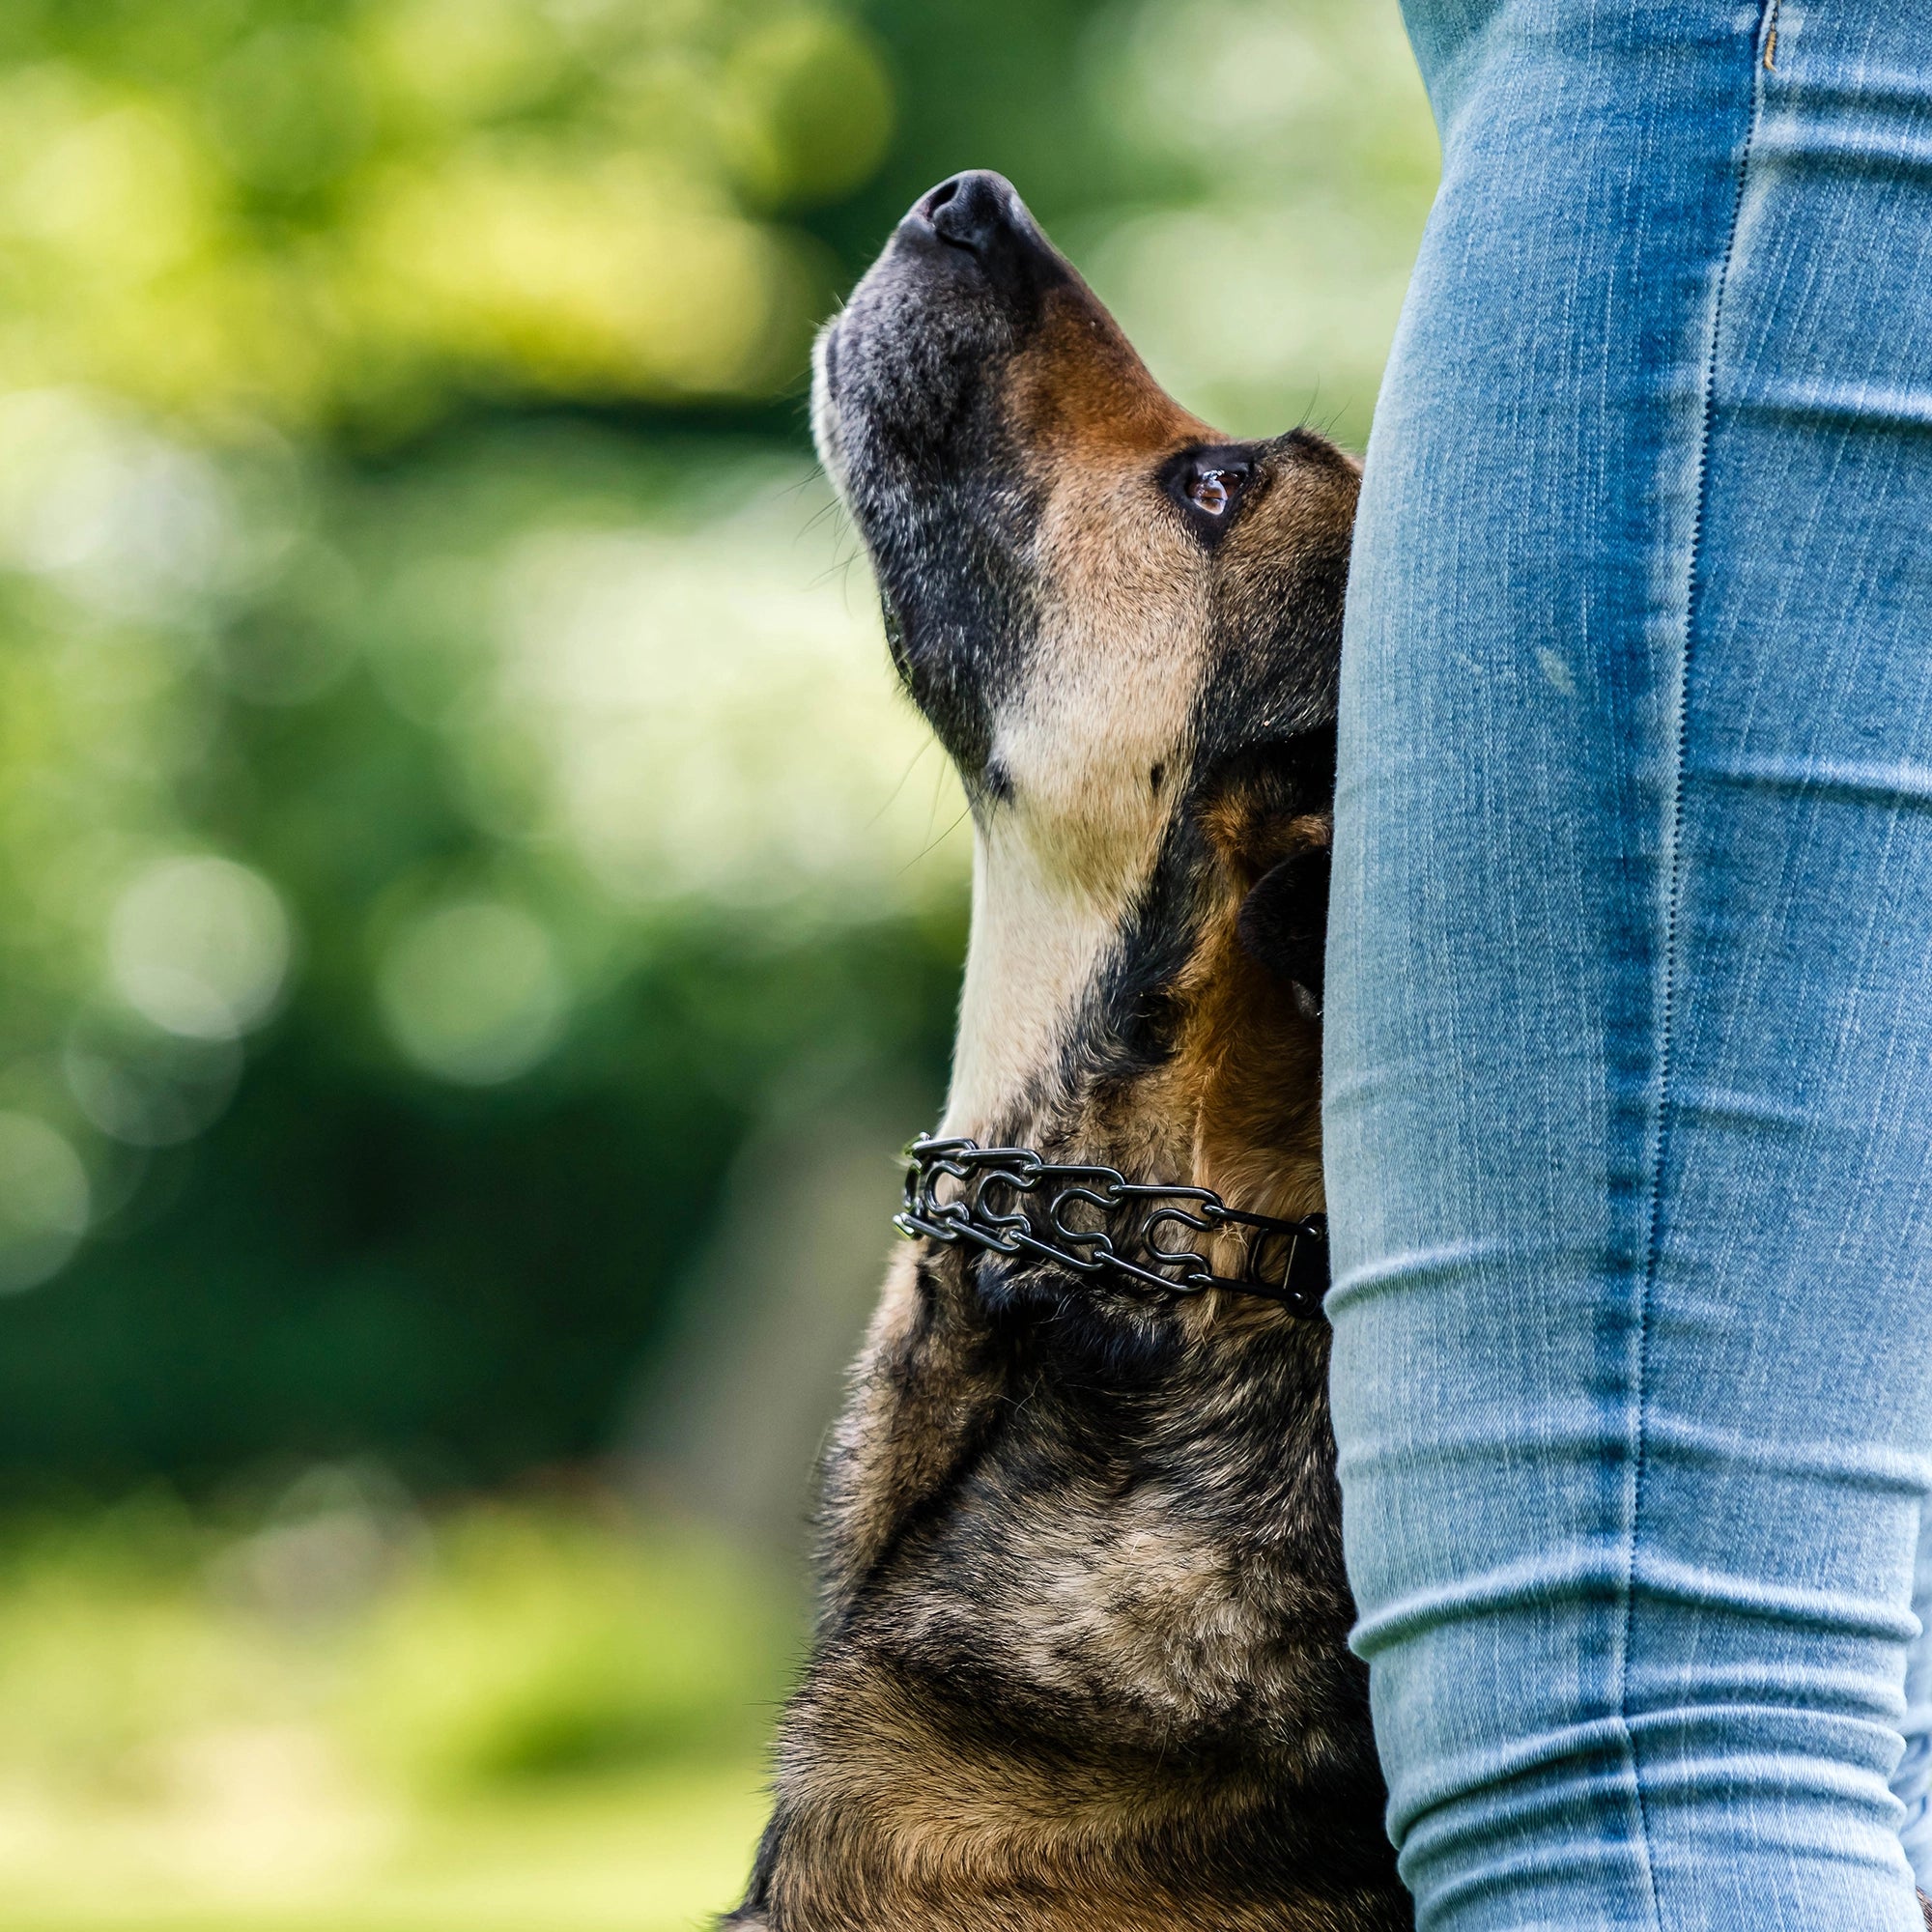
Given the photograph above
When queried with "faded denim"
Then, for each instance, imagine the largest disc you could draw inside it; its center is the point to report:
(1630, 1023)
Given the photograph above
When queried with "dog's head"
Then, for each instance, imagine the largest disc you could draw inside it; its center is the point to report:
(1124, 629)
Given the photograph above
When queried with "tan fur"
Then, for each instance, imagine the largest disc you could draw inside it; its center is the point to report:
(1126, 624)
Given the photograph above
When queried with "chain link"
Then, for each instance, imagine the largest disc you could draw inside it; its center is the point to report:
(1095, 1220)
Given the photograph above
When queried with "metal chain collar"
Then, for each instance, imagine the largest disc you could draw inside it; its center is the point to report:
(949, 1181)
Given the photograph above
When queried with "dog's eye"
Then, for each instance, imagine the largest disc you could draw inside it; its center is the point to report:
(1211, 492)
(1208, 484)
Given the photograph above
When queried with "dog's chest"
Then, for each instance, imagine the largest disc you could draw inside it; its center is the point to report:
(1131, 1566)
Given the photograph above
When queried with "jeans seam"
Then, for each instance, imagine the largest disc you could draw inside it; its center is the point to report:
(1762, 42)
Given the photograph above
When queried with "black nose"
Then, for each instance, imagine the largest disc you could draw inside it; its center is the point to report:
(976, 232)
(972, 210)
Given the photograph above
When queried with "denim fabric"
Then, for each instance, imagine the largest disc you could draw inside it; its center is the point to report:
(1629, 1091)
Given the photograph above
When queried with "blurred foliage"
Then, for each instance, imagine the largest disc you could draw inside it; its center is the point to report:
(332, 1712)
(457, 833)
(449, 781)
(310, 212)
(409, 997)
(1285, 160)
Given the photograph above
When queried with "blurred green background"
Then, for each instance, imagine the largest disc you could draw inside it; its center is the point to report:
(475, 919)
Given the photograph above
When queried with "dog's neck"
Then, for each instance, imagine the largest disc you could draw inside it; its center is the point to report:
(1035, 955)
(1068, 819)
(1231, 1102)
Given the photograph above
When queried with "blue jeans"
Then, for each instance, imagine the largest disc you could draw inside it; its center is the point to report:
(1628, 1096)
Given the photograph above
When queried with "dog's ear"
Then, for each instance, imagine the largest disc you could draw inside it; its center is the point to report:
(1284, 922)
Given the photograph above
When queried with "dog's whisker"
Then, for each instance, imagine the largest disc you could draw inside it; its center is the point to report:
(912, 764)
(927, 851)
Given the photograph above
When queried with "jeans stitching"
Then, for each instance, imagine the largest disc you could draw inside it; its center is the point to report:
(1764, 40)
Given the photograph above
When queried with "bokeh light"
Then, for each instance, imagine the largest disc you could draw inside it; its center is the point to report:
(43, 1202)
(474, 992)
(147, 1088)
(199, 946)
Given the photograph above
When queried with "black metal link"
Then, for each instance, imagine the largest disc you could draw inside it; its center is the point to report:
(1118, 1224)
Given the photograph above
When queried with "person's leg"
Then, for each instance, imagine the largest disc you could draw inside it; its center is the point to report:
(1911, 1781)
(1629, 1089)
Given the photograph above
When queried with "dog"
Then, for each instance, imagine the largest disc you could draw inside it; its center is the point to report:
(1081, 1659)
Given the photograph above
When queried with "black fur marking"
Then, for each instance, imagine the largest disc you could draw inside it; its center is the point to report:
(929, 473)
(1283, 922)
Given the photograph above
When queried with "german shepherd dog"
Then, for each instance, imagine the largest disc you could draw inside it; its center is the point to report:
(1081, 1659)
